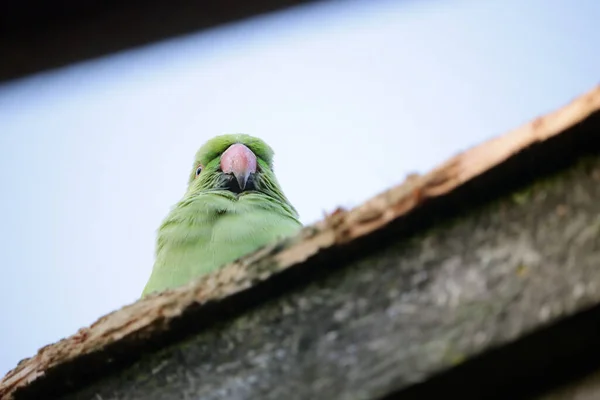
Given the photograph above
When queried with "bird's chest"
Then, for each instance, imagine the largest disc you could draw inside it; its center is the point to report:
(223, 231)
(241, 229)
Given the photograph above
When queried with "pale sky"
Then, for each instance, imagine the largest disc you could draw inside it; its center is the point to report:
(352, 95)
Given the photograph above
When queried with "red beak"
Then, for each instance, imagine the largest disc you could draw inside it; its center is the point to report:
(240, 161)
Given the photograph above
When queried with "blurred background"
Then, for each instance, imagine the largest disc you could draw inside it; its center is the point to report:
(352, 95)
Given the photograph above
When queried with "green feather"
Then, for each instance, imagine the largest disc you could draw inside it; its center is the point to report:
(212, 226)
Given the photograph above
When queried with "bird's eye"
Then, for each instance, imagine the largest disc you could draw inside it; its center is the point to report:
(198, 170)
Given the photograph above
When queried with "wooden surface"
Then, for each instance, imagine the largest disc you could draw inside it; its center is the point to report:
(340, 242)
(36, 35)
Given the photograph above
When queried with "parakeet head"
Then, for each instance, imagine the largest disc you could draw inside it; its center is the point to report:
(234, 165)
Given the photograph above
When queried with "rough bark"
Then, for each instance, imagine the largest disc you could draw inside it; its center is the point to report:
(409, 310)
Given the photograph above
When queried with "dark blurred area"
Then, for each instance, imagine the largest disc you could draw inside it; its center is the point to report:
(36, 35)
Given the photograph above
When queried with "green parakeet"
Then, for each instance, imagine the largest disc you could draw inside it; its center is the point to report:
(233, 205)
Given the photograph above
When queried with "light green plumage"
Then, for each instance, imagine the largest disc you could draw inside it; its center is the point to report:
(211, 225)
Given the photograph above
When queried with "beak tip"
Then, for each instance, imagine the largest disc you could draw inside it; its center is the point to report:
(242, 180)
